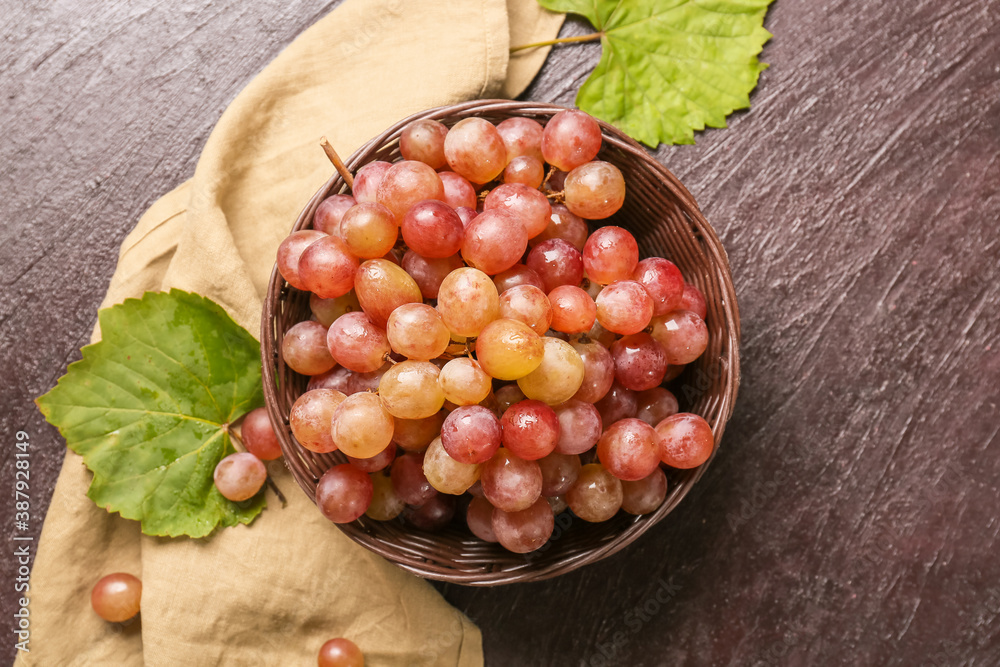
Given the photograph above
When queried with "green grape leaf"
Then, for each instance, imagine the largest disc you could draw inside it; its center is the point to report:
(148, 408)
(670, 67)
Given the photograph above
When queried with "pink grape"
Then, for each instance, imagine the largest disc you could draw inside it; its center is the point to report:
(623, 307)
(343, 493)
(382, 287)
(471, 434)
(467, 214)
(494, 242)
(116, 597)
(386, 503)
(525, 204)
(367, 180)
(380, 461)
(311, 419)
(682, 334)
(506, 396)
(414, 435)
(645, 496)
(610, 254)
(362, 427)
(573, 311)
(464, 382)
(458, 192)
(519, 274)
(258, 435)
(654, 405)
(479, 519)
(530, 430)
(570, 139)
(330, 213)
(528, 304)
(694, 301)
(598, 371)
(557, 263)
(526, 530)
(558, 377)
(640, 362)
(468, 301)
(304, 350)
(409, 481)
(416, 331)
(432, 229)
(526, 170)
(599, 334)
(618, 403)
(445, 473)
(290, 252)
(434, 514)
(326, 311)
(336, 378)
(406, 183)
(369, 230)
(340, 652)
(239, 476)
(423, 140)
(508, 349)
(580, 427)
(327, 267)
(597, 494)
(559, 473)
(359, 382)
(595, 190)
(558, 504)
(564, 224)
(475, 150)
(357, 344)
(521, 136)
(428, 272)
(686, 440)
(629, 449)
(511, 483)
(555, 181)
(663, 281)
(410, 390)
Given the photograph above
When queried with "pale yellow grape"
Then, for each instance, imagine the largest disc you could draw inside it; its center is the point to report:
(410, 390)
(468, 301)
(558, 377)
(362, 427)
(464, 382)
(445, 473)
(508, 349)
(386, 503)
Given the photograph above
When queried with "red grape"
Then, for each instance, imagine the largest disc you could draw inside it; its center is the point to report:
(525, 204)
(618, 403)
(525, 530)
(475, 150)
(573, 311)
(311, 419)
(563, 224)
(382, 287)
(597, 494)
(623, 307)
(258, 435)
(629, 449)
(409, 481)
(327, 268)
(415, 434)
(521, 136)
(357, 343)
(686, 440)
(468, 301)
(610, 254)
(530, 430)
(432, 229)
(528, 304)
(645, 496)
(579, 426)
(557, 263)
(116, 597)
(682, 334)
(663, 281)
(654, 405)
(458, 192)
(519, 274)
(526, 170)
(434, 514)
(330, 213)
(406, 183)
(367, 180)
(471, 434)
(375, 463)
(479, 518)
(595, 190)
(559, 473)
(511, 483)
(340, 652)
(640, 362)
(694, 301)
(303, 347)
(494, 242)
(423, 140)
(429, 273)
(598, 371)
(416, 331)
(290, 252)
(343, 493)
(570, 139)
(239, 476)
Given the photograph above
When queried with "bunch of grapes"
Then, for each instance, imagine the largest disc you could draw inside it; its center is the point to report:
(471, 335)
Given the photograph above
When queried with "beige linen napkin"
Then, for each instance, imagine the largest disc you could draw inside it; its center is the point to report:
(271, 593)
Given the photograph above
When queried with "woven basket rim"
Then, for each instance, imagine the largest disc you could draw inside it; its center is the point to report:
(477, 570)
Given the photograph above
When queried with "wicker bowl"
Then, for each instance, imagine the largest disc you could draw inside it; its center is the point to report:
(666, 222)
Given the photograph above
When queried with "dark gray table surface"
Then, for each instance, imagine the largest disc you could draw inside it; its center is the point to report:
(851, 516)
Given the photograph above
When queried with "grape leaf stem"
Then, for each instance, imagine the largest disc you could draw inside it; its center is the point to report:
(561, 40)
